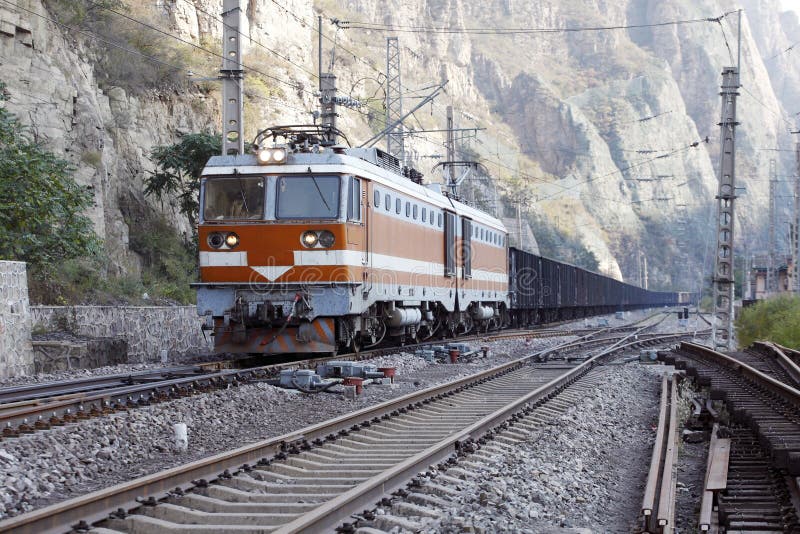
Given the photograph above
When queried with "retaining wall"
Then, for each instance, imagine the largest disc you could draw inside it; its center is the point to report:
(147, 330)
(16, 353)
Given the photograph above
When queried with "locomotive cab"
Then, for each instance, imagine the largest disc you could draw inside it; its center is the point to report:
(271, 242)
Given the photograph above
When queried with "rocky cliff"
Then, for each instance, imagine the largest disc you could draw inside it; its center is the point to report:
(607, 136)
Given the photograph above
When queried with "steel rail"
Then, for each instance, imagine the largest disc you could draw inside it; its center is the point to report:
(328, 516)
(42, 390)
(776, 386)
(651, 488)
(97, 505)
(783, 360)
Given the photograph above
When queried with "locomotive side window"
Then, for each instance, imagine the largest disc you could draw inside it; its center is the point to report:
(233, 198)
(308, 197)
(408, 209)
(377, 199)
(387, 202)
(416, 211)
(424, 214)
(439, 220)
(433, 218)
(398, 205)
(354, 199)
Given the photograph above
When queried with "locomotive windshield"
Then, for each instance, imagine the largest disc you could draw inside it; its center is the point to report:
(308, 197)
(234, 198)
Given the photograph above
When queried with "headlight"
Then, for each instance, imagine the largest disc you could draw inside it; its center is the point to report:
(215, 240)
(326, 238)
(264, 156)
(271, 155)
(231, 240)
(309, 239)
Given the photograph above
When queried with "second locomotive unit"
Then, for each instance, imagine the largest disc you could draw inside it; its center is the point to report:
(306, 248)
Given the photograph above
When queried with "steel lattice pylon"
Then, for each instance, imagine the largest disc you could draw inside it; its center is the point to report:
(723, 278)
(394, 99)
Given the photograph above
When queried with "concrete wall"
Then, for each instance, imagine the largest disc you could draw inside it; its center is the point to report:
(148, 330)
(16, 354)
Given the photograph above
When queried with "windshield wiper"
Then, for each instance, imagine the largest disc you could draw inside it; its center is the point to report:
(244, 200)
(320, 193)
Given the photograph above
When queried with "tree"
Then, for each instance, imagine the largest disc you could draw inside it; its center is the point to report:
(178, 169)
(42, 208)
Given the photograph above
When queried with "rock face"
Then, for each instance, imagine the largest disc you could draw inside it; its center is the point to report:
(601, 124)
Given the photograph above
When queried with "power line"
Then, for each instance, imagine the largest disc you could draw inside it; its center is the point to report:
(366, 25)
(198, 47)
(782, 52)
(96, 37)
(257, 42)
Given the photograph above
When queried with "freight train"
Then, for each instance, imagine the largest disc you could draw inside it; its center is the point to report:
(307, 247)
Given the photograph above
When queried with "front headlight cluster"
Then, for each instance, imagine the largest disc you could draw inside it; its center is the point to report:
(271, 156)
(317, 239)
(222, 240)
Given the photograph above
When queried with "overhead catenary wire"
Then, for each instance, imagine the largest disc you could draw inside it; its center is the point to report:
(374, 26)
(95, 37)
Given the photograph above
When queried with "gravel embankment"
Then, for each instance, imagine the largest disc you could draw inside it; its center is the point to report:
(49, 466)
(585, 470)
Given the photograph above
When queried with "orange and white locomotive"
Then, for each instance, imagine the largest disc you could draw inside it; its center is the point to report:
(313, 248)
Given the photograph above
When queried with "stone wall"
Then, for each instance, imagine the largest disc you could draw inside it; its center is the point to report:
(147, 330)
(16, 354)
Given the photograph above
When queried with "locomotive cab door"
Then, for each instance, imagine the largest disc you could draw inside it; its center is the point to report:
(356, 227)
(451, 251)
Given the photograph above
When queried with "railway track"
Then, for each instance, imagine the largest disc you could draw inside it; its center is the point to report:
(311, 479)
(27, 409)
(754, 459)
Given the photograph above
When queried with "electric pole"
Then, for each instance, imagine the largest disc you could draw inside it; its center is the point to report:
(723, 278)
(772, 286)
(395, 144)
(232, 77)
(451, 151)
(327, 95)
(795, 244)
(644, 267)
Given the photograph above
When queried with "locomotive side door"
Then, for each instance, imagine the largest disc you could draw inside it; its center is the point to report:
(451, 251)
(356, 227)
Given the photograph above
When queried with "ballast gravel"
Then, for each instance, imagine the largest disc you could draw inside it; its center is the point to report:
(584, 471)
(64, 462)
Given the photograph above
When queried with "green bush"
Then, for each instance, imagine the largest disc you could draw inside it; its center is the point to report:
(42, 219)
(776, 319)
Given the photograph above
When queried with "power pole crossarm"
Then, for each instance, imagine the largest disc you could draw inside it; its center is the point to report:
(232, 77)
(723, 278)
